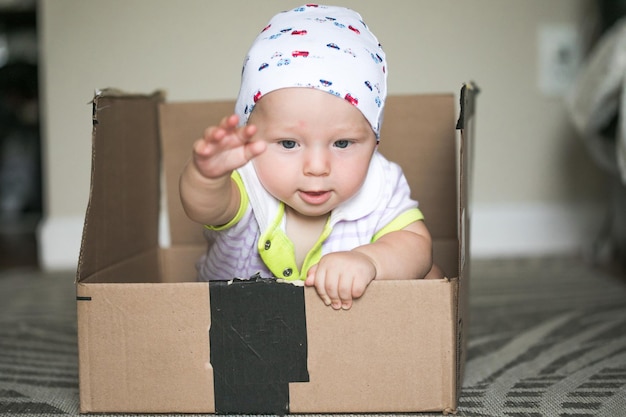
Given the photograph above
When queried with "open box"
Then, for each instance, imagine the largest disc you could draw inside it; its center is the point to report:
(145, 331)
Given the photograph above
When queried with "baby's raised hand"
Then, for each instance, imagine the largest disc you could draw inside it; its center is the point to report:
(225, 147)
(340, 277)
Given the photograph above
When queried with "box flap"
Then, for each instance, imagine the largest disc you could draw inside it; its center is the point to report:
(466, 125)
(181, 124)
(418, 133)
(123, 209)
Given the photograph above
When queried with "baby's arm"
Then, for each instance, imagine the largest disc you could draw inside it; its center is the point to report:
(207, 191)
(340, 277)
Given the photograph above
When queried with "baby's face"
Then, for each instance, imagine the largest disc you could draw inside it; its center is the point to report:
(319, 148)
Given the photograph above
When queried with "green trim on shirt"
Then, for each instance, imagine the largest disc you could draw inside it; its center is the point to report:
(278, 252)
(243, 204)
(400, 222)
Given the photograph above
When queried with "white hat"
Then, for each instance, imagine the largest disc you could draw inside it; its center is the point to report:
(323, 47)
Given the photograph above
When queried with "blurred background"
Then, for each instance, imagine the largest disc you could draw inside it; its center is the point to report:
(21, 202)
(538, 189)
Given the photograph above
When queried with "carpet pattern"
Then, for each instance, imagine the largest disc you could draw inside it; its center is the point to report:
(547, 338)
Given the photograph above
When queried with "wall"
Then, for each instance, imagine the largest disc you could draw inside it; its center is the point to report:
(535, 190)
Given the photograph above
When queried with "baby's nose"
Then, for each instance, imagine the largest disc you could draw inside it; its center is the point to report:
(317, 162)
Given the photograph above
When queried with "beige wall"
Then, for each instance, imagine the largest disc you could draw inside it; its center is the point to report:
(526, 154)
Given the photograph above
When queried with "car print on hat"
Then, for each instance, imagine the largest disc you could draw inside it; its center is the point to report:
(323, 47)
(351, 100)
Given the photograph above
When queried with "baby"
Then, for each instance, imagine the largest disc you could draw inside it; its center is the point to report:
(292, 185)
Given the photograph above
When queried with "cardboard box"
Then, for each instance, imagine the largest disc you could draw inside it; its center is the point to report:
(151, 339)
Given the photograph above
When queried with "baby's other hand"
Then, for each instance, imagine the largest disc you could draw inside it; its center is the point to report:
(225, 147)
(340, 277)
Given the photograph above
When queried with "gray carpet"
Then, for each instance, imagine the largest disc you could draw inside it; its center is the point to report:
(547, 338)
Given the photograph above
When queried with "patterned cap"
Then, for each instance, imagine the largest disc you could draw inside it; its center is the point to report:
(323, 47)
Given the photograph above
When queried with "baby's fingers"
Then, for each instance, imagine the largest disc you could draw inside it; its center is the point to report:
(317, 280)
(327, 283)
(204, 146)
(226, 147)
(229, 132)
(252, 148)
(229, 122)
(345, 290)
(310, 276)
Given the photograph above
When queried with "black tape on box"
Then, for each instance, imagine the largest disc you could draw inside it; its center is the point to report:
(258, 345)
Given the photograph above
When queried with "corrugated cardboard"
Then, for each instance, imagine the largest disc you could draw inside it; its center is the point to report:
(144, 324)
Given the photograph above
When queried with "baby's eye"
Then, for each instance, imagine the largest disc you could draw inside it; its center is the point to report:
(342, 144)
(288, 144)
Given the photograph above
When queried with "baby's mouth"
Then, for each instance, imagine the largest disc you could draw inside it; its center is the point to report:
(315, 197)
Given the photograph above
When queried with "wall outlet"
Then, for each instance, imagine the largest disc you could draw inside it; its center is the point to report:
(560, 56)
